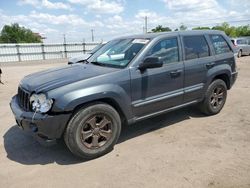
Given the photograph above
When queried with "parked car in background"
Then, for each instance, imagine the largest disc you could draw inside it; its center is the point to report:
(242, 45)
(129, 79)
(83, 57)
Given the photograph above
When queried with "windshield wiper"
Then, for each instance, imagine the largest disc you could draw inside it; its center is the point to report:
(98, 63)
(83, 61)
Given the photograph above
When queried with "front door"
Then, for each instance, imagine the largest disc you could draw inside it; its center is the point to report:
(157, 89)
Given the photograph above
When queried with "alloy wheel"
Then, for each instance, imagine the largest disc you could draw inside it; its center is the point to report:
(217, 98)
(96, 131)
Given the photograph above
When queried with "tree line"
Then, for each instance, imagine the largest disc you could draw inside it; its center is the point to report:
(232, 31)
(16, 34)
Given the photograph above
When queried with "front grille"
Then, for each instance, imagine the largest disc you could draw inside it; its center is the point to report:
(23, 99)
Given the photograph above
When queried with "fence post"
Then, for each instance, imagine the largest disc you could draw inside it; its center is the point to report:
(43, 52)
(18, 52)
(65, 50)
(83, 47)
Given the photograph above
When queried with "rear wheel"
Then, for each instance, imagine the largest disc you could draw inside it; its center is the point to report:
(93, 131)
(239, 53)
(215, 98)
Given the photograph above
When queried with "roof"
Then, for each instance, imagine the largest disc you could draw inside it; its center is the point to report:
(154, 35)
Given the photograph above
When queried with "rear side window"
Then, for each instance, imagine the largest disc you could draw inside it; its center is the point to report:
(220, 45)
(195, 47)
(241, 41)
(166, 49)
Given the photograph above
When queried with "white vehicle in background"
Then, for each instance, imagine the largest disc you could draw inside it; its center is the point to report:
(242, 45)
(84, 57)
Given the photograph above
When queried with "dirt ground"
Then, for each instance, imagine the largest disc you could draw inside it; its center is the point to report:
(178, 149)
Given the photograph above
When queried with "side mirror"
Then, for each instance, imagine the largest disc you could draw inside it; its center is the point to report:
(150, 62)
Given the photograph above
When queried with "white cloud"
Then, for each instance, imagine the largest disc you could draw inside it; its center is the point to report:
(70, 19)
(101, 6)
(27, 22)
(45, 4)
(190, 5)
(203, 13)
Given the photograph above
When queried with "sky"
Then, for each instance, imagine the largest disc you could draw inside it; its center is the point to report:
(113, 18)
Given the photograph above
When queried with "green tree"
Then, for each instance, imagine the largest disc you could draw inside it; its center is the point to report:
(243, 30)
(15, 34)
(160, 28)
(183, 27)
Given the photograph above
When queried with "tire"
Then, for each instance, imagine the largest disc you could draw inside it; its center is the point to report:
(239, 54)
(93, 131)
(215, 98)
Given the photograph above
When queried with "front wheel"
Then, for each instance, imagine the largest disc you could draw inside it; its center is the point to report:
(215, 98)
(93, 131)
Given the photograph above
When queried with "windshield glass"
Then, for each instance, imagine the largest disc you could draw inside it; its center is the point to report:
(118, 53)
(96, 48)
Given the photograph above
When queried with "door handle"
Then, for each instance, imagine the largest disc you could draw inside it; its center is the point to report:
(175, 74)
(210, 65)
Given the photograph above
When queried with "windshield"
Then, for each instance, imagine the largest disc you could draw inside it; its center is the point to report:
(118, 53)
(96, 48)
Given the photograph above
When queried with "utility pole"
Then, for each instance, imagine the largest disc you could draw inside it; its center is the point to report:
(92, 34)
(146, 24)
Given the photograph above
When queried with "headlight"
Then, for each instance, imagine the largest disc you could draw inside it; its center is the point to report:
(40, 103)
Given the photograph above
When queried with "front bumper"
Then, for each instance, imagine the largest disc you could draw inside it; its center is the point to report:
(46, 128)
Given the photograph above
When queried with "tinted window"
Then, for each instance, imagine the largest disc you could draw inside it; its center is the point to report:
(167, 50)
(195, 47)
(219, 44)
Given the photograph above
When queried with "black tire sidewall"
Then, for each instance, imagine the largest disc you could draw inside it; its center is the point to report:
(239, 53)
(210, 90)
(74, 141)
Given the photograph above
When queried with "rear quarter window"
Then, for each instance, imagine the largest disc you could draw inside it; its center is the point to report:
(220, 45)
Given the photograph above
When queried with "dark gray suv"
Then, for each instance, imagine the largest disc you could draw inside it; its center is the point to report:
(128, 80)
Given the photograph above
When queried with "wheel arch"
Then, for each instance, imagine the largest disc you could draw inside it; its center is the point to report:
(223, 77)
(106, 100)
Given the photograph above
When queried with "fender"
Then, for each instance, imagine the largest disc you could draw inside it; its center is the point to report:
(72, 99)
(217, 70)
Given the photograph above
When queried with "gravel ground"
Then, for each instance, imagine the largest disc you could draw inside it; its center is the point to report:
(178, 149)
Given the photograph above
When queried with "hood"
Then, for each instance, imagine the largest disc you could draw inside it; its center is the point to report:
(57, 77)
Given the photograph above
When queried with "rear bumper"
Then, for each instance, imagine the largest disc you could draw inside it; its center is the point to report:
(44, 127)
(234, 76)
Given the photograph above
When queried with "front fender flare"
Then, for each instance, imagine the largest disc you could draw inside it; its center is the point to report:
(71, 100)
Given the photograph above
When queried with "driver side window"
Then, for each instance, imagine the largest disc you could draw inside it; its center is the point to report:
(166, 50)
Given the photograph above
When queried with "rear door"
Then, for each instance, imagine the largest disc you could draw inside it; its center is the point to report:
(248, 46)
(243, 44)
(198, 59)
